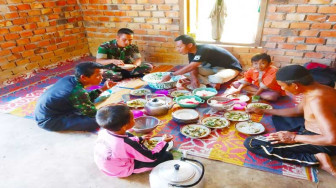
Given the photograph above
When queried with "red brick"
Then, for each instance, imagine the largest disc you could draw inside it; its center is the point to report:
(313, 55)
(315, 40)
(294, 53)
(5, 52)
(36, 5)
(52, 48)
(3, 31)
(30, 46)
(287, 46)
(282, 59)
(22, 62)
(23, 41)
(15, 29)
(286, 8)
(309, 33)
(23, 7)
(277, 39)
(46, 11)
(328, 34)
(321, 26)
(300, 25)
(271, 31)
(270, 45)
(23, 14)
(271, 8)
(34, 13)
(305, 47)
(48, 4)
(12, 36)
(26, 34)
(280, 25)
(30, 26)
(306, 9)
(34, 19)
(277, 16)
(7, 44)
(332, 18)
(28, 53)
(71, 2)
(325, 49)
(327, 10)
(36, 38)
(8, 66)
(319, 1)
(20, 21)
(18, 49)
(164, 7)
(12, 8)
(316, 18)
(11, 15)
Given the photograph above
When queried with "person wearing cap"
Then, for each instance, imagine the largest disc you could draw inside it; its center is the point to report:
(208, 64)
(310, 144)
(118, 53)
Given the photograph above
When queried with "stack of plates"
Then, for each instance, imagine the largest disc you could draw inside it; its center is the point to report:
(185, 116)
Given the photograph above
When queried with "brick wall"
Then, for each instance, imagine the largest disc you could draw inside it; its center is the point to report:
(38, 33)
(35, 34)
(299, 31)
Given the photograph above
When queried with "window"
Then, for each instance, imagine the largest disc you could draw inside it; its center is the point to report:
(242, 21)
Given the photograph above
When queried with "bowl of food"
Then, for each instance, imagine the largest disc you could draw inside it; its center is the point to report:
(154, 80)
(140, 92)
(136, 103)
(249, 127)
(179, 93)
(188, 101)
(152, 142)
(145, 124)
(205, 93)
(221, 103)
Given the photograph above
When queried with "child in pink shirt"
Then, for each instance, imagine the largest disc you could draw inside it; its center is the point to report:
(120, 154)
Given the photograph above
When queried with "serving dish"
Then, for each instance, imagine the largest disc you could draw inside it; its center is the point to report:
(136, 103)
(249, 127)
(215, 122)
(140, 92)
(154, 80)
(259, 105)
(195, 131)
(188, 101)
(179, 93)
(151, 143)
(221, 103)
(185, 116)
(236, 116)
(241, 97)
(205, 93)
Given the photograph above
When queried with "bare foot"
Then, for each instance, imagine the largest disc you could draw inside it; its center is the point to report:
(325, 163)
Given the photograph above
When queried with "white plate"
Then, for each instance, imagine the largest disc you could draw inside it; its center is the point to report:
(185, 114)
(185, 130)
(259, 105)
(136, 103)
(178, 93)
(224, 121)
(140, 92)
(128, 66)
(241, 97)
(237, 116)
(158, 139)
(200, 86)
(250, 128)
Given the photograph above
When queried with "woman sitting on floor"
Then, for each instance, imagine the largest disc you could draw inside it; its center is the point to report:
(260, 79)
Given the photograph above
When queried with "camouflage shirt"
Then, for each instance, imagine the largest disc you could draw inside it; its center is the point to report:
(110, 50)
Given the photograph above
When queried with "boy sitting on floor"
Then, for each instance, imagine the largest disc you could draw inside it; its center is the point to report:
(260, 79)
(119, 154)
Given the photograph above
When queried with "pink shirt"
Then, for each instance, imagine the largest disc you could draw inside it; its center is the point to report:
(115, 154)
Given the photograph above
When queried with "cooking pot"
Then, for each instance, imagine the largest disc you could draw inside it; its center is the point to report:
(178, 173)
(157, 105)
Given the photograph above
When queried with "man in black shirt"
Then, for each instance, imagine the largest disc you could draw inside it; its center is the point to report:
(208, 64)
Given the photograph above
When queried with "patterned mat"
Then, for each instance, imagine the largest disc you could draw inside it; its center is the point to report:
(227, 144)
(222, 144)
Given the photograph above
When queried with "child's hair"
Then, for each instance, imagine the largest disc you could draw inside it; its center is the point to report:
(87, 68)
(114, 117)
(262, 56)
(294, 74)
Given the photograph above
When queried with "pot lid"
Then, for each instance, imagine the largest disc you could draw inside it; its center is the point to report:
(156, 102)
(176, 171)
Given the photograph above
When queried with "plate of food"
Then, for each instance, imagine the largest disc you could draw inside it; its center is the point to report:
(179, 93)
(215, 122)
(259, 105)
(151, 143)
(205, 93)
(136, 103)
(249, 127)
(195, 131)
(241, 97)
(140, 92)
(237, 116)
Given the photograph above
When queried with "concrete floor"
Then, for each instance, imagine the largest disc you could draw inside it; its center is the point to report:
(35, 158)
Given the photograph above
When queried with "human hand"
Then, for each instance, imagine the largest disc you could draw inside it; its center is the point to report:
(108, 84)
(285, 137)
(166, 78)
(117, 62)
(255, 110)
(231, 91)
(146, 137)
(195, 83)
(167, 138)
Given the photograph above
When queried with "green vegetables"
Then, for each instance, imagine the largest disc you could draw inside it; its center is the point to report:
(214, 122)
